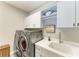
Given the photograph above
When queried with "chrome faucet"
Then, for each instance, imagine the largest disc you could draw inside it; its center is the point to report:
(60, 40)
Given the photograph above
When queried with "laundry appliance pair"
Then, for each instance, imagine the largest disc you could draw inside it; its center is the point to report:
(24, 42)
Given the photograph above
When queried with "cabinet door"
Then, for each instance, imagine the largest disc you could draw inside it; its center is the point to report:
(36, 20)
(33, 21)
(66, 13)
(77, 13)
(27, 22)
(37, 51)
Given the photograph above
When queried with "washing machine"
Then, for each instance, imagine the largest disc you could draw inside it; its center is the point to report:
(24, 42)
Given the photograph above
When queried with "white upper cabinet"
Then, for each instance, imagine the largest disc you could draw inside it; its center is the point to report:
(77, 13)
(33, 21)
(66, 14)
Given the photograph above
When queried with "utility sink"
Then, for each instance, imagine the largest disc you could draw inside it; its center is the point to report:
(60, 47)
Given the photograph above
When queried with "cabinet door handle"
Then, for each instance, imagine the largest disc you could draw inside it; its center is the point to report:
(77, 24)
(73, 24)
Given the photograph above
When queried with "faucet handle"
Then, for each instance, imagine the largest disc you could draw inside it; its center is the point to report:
(49, 38)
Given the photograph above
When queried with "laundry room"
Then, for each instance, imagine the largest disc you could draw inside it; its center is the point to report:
(39, 29)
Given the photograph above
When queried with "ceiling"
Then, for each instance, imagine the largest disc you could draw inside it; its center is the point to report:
(27, 6)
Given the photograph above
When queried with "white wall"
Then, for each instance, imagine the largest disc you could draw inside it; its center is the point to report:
(67, 34)
(71, 34)
(11, 19)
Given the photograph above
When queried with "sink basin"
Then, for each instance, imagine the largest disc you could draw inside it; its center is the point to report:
(60, 47)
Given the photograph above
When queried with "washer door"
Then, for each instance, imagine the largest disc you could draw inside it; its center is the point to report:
(16, 39)
(23, 45)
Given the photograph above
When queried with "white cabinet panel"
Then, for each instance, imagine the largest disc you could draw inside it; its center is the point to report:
(27, 22)
(77, 13)
(36, 20)
(66, 13)
(33, 21)
(37, 51)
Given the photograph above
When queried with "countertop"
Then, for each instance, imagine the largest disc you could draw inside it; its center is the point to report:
(74, 48)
